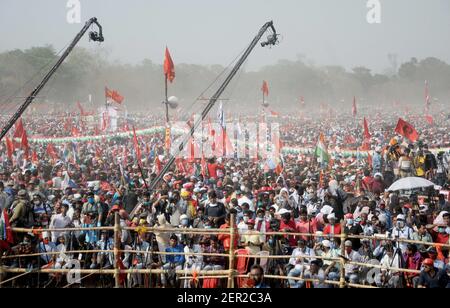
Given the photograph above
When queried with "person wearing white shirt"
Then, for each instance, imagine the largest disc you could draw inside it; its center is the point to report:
(60, 221)
(351, 270)
(402, 231)
(299, 262)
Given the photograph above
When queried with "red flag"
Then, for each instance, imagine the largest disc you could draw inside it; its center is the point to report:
(34, 157)
(406, 130)
(369, 159)
(158, 167)
(265, 88)
(51, 151)
(75, 132)
(114, 95)
(354, 108)
(82, 112)
(169, 68)
(429, 119)
(136, 146)
(24, 144)
(19, 129)
(366, 129)
(117, 97)
(9, 147)
(274, 113)
(18, 132)
(180, 165)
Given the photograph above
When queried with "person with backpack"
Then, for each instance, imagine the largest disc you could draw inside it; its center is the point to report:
(21, 212)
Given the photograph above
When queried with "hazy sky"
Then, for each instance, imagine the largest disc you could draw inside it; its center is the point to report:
(215, 31)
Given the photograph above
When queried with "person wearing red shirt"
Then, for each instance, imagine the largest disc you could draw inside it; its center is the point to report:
(288, 225)
(305, 225)
(225, 237)
(332, 228)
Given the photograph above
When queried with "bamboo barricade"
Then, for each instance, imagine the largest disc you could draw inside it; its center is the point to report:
(230, 274)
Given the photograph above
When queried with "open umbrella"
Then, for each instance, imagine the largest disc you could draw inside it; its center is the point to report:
(410, 183)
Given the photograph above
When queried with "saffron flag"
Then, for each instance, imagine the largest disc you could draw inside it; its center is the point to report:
(265, 88)
(406, 130)
(169, 68)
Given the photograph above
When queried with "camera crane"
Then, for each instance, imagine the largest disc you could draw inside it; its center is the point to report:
(93, 36)
(272, 40)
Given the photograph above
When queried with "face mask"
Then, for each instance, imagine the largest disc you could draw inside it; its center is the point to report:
(350, 222)
(400, 224)
(441, 230)
(184, 222)
(146, 203)
(37, 202)
(91, 200)
(246, 219)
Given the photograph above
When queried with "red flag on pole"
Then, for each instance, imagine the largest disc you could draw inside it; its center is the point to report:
(34, 157)
(114, 95)
(354, 108)
(158, 167)
(136, 146)
(25, 145)
(169, 68)
(406, 130)
(51, 151)
(429, 119)
(9, 147)
(366, 129)
(265, 88)
(274, 113)
(18, 132)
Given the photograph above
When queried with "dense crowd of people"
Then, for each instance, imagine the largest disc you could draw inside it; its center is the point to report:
(85, 184)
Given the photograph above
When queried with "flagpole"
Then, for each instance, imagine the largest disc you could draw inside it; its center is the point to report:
(167, 102)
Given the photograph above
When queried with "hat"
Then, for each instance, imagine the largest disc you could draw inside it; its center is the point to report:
(401, 217)
(428, 262)
(326, 243)
(22, 193)
(250, 222)
(283, 211)
(349, 216)
(184, 216)
(348, 244)
(331, 216)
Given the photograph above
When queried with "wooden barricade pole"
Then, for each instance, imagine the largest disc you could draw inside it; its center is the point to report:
(116, 249)
(342, 269)
(230, 283)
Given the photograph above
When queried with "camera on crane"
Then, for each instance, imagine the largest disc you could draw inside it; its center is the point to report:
(271, 40)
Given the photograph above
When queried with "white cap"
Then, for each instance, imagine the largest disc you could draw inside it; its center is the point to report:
(331, 216)
(401, 217)
(283, 211)
(184, 216)
(326, 243)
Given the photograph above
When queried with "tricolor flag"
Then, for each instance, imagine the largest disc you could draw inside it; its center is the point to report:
(321, 151)
(6, 234)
